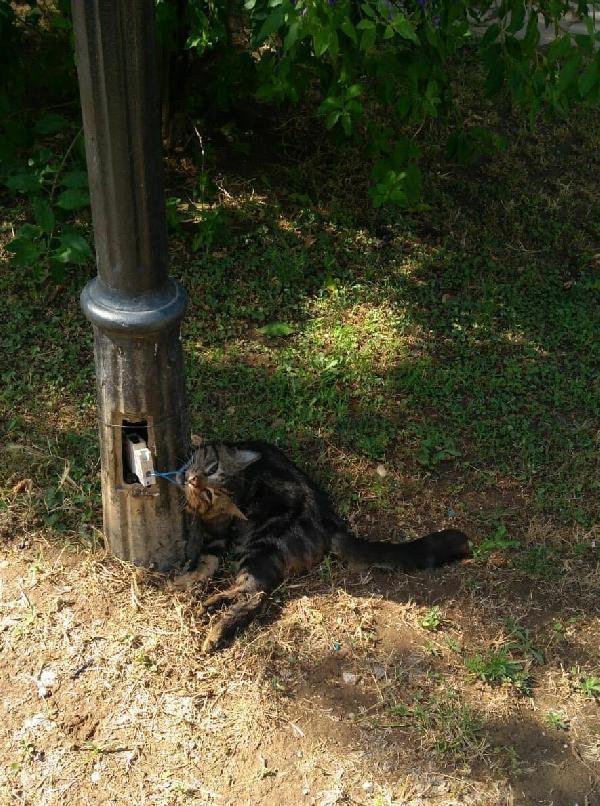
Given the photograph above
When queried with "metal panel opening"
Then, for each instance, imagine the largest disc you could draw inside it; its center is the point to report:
(136, 433)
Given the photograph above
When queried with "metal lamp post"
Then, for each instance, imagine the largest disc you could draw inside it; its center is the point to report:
(134, 307)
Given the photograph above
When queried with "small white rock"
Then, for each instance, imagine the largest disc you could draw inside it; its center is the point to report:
(349, 678)
(48, 678)
(45, 683)
(368, 787)
(95, 776)
(379, 672)
(381, 471)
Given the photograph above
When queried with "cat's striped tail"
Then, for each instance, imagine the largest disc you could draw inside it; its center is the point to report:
(437, 548)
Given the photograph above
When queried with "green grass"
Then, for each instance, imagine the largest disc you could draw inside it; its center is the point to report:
(442, 723)
(457, 341)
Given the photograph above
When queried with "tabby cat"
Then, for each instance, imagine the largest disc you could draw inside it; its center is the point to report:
(285, 524)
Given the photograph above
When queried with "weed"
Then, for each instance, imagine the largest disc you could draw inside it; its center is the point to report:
(508, 758)
(521, 641)
(539, 562)
(590, 687)
(557, 720)
(325, 569)
(147, 661)
(432, 648)
(498, 667)
(445, 725)
(436, 447)
(432, 620)
(278, 684)
(453, 645)
(497, 541)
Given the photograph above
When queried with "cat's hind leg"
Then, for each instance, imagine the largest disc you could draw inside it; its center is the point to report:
(244, 585)
(234, 619)
(257, 577)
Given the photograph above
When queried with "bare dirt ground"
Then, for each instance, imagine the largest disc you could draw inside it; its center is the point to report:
(340, 696)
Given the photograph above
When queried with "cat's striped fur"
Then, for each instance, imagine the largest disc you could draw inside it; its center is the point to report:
(290, 524)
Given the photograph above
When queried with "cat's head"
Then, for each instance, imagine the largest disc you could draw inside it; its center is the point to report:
(210, 503)
(215, 464)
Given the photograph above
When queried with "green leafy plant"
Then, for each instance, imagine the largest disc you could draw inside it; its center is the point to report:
(557, 720)
(360, 57)
(498, 540)
(588, 685)
(437, 447)
(56, 188)
(521, 641)
(497, 667)
(433, 619)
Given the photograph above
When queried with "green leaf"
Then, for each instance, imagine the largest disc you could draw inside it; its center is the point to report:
(568, 74)
(532, 34)
(349, 30)
(271, 24)
(24, 252)
(368, 39)
(346, 124)
(73, 199)
(354, 91)
(72, 248)
(322, 41)
(43, 214)
(559, 48)
(57, 271)
(75, 179)
(405, 28)
(334, 45)
(29, 231)
(332, 118)
(517, 16)
(275, 329)
(24, 183)
(589, 79)
(291, 36)
(491, 35)
(50, 124)
(329, 104)
(365, 25)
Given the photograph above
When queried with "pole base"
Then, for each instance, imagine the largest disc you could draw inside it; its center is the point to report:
(141, 391)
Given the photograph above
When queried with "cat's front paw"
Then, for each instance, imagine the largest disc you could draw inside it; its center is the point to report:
(206, 568)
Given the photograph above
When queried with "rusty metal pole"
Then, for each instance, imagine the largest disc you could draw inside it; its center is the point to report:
(134, 307)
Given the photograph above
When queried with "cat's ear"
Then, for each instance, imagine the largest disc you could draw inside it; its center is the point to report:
(196, 441)
(243, 457)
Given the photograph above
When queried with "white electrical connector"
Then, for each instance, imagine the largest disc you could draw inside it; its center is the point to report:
(140, 459)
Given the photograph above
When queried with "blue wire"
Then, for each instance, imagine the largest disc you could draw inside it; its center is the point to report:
(166, 475)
